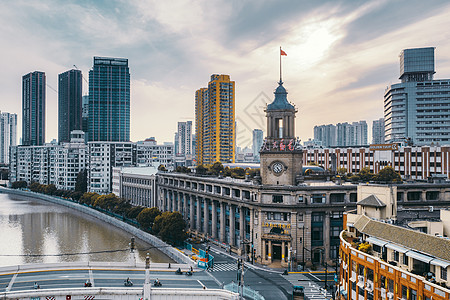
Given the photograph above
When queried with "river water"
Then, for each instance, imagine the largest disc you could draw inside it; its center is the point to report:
(35, 231)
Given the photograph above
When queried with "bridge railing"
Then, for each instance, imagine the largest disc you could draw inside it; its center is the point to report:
(248, 292)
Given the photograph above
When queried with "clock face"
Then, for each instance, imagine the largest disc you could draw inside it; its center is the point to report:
(277, 168)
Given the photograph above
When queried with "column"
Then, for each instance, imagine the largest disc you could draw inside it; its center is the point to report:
(199, 214)
(185, 206)
(326, 236)
(283, 251)
(205, 216)
(269, 257)
(191, 212)
(222, 221)
(232, 223)
(424, 196)
(263, 246)
(242, 225)
(214, 219)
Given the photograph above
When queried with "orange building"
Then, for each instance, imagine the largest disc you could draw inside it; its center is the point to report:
(384, 261)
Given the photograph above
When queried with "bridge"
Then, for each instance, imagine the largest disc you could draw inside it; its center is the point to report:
(65, 281)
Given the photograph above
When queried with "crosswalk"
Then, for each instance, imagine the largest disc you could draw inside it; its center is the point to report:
(223, 267)
(312, 290)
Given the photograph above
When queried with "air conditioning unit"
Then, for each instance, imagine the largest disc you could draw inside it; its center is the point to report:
(383, 293)
(369, 286)
(360, 278)
(390, 296)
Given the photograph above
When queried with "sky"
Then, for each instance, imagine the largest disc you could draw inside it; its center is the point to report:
(341, 55)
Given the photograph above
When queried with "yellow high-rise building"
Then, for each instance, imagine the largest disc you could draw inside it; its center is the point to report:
(215, 121)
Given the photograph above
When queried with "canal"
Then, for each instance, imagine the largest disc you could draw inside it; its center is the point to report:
(36, 231)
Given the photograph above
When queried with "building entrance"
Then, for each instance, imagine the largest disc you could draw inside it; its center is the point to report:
(276, 252)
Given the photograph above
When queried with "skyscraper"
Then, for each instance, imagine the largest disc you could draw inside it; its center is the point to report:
(85, 114)
(215, 121)
(258, 137)
(326, 134)
(69, 104)
(109, 100)
(378, 131)
(417, 108)
(183, 140)
(8, 135)
(33, 108)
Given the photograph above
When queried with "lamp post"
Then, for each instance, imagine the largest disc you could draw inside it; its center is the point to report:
(303, 246)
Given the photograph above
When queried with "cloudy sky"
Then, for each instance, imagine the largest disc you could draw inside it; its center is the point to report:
(341, 54)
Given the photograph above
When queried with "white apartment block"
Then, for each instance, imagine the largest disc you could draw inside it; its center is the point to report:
(102, 157)
(148, 153)
(49, 164)
(8, 135)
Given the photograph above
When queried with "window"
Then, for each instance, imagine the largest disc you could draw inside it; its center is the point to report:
(443, 273)
(396, 256)
(405, 259)
(277, 198)
(404, 292)
(376, 248)
(318, 198)
(300, 199)
(317, 217)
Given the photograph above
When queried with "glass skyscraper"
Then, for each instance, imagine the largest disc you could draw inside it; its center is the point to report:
(109, 100)
(417, 109)
(69, 104)
(33, 109)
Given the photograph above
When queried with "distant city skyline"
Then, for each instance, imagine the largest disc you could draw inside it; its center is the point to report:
(341, 55)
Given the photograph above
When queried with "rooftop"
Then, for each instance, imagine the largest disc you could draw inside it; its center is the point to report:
(415, 240)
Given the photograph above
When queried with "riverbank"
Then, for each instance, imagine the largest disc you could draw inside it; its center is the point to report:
(170, 251)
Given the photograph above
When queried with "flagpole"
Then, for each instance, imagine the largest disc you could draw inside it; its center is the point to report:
(280, 64)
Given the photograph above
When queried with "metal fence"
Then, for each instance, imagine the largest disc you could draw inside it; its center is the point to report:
(248, 292)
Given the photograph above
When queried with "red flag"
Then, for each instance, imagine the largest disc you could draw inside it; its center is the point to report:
(282, 52)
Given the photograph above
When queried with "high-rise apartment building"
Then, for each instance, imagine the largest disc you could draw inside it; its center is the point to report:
(109, 100)
(378, 131)
(326, 134)
(33, 108)
(417, 108)
(258, 137)
(85, 114)
(215, 121)
(184, 138)
(8, 135)
(69, 104)
(341, 134)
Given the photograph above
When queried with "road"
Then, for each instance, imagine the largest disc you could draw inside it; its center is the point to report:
(101, 278)
(269, 283)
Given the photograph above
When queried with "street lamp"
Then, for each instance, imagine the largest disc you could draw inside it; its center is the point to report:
(303, 246)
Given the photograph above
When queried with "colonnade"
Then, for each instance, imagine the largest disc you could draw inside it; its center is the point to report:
(214, 214)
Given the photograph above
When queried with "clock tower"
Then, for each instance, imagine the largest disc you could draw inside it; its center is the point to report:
(281, 154)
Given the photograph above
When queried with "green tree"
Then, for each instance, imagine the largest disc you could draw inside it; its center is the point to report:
(50, 189)
(147, 216)
(35, 187)
(201, 170)
(341, 170)
(170, 226)
(81, 181)
(162, 168)
(238, 173)
(387, 174)
(134, 212)
(19, 184)
(365, 174)
(216, 168)
(183, 169)
(89, 198)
